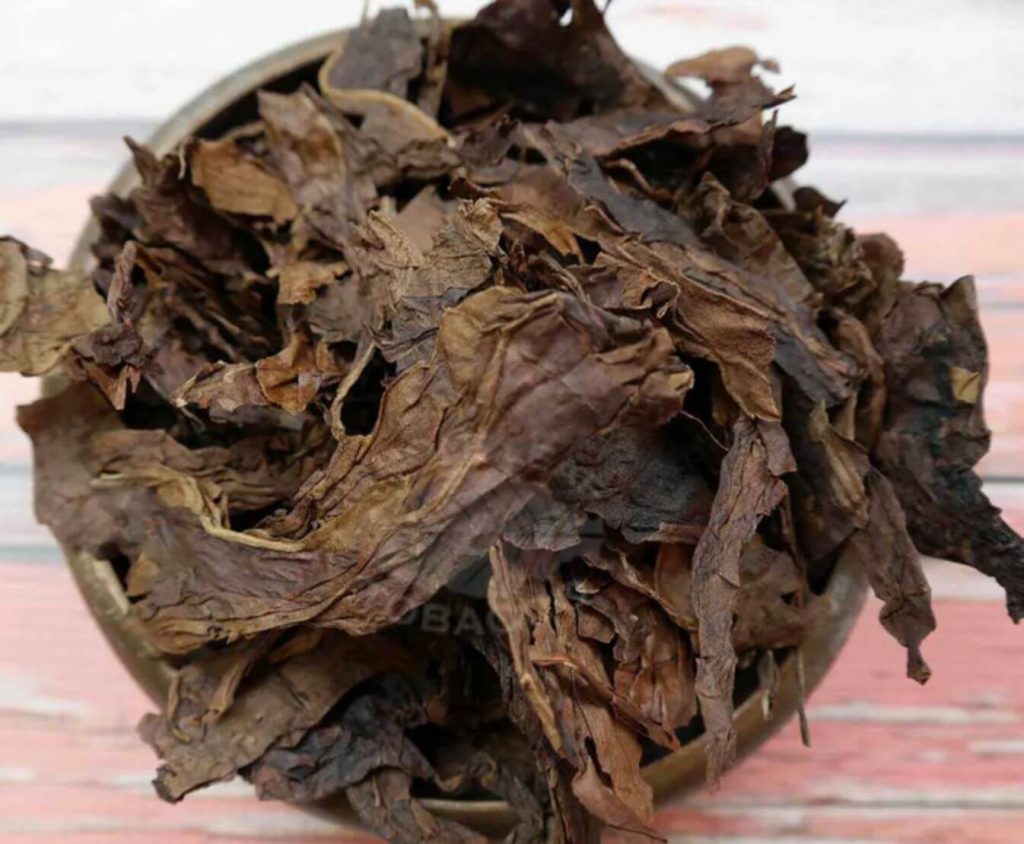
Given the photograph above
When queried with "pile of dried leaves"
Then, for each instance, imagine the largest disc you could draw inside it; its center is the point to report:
(463, 424)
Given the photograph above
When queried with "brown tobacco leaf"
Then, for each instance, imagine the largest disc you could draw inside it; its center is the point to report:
(666, 581)
(66, 500)
(765, 323)
(414, 288)
(771, 611)
(731, 64)
(290, 380)
(320, 160)
(828, 494)
(435, 65)
(750, 487)
(198, 749)
(299, 281)
(222, 388)
(486, 398)
(743, 239)
(739, 234)
(172, 216)
(384, 803)
(615, 137)
(639, 482)
(654, 669)
(368, 747)
(556, 670)
(237, 182)
(729, 73)
(935, 433)
(252, 474)
(368, 736)
(518, 51)
(883, 548)
(707, 323)
(42, 311)
(169, 317)
(383, 54)
(467, 768)
(851, 336)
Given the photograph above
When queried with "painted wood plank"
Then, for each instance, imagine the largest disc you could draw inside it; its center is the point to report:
(892, 762)
(955, 206)
(904, 175)
(853, 64)
(904, 756)
(941, 247)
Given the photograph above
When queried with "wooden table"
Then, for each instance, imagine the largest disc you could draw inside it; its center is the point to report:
(892, 762)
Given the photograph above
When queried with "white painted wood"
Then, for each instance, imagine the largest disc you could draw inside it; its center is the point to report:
(921, 66)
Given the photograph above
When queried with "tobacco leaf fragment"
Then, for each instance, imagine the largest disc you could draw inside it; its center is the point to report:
(384, 803)
(654, 671)
(934, 433)
(237, 182)
(883, 548)
(174, 216)
(772, 610)
(828, 494)
(384, 53)
(750, 487)
(197, 750)
(518, 51)
(61, 427)
(368, 736)
(637, 481)
(320, 159)
(552, 663)
(42, 310)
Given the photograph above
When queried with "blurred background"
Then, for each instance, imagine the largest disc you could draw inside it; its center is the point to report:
(916, 116)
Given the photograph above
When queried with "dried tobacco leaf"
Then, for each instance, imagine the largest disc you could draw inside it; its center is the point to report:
(237, 182)
(42, 310)
(750, 487)
(934, 432)
(885, 551)
(563, 678)
(233, 733)
(458, 427)
(462, 442)
(384, 54)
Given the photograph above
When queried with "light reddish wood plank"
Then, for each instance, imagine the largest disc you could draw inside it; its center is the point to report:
(49, 219)
(14, 390)
(71, 767)
(891, 761)
(950, 245)
(1004, 413)
(1004, 332)
(788, 823)
(70, 762)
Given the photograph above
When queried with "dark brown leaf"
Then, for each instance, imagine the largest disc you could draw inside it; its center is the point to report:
(934, 432)
(750, 487)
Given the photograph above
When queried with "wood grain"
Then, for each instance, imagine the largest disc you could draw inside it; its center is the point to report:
(854, 64)
(886, 750)
(892, 761)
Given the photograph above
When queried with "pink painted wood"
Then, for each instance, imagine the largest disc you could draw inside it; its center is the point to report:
(892, 761)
